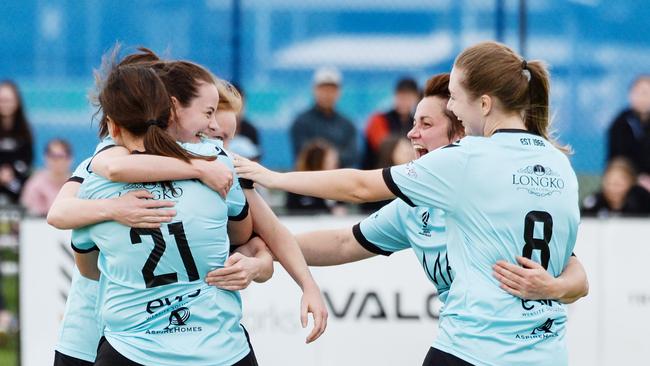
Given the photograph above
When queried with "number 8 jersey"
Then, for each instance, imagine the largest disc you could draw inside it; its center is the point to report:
(156, 308)
(508, 195)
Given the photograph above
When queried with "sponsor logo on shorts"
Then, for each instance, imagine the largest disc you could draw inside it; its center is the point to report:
(538, 180)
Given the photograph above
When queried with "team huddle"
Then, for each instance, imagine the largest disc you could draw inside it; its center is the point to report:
(167, 224)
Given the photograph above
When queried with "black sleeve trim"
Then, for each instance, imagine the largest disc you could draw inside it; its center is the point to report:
(83, 251)
(242, 215)
(234, 247)
(100, 150)
(246, 183)
(75, 179)
(390, 183)
(358, 235)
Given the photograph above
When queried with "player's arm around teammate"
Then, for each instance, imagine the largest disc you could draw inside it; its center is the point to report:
(286, 250)
(118, 165)
(529, 281)
(133, 209)
(433, 127)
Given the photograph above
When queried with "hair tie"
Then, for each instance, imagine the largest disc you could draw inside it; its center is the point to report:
(153, 122)
(524, 65)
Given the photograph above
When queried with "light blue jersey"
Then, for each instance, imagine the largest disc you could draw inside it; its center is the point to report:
(235, 199)
(79, 331)
(397, 226)
(155, 304)
(237, 205)
(508, 195)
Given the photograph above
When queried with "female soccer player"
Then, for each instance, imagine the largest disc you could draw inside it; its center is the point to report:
(155, 305)
(80, 331)
(506, 190)
(398, 226)
(192, 91)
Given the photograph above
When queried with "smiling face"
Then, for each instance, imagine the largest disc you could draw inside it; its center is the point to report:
(430, 126)
(198, 116)
(226, 127)
(466, 107)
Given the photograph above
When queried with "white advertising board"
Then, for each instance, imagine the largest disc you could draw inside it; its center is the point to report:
(383, 311)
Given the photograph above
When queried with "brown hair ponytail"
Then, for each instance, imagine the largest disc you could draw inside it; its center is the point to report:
(135, 99)
(494, 69)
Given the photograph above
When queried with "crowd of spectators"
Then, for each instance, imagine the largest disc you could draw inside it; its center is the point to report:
(625, 187)
(324, 138)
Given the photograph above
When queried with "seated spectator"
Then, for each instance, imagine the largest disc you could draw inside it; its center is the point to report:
(620, 195)
(317, 155)
(42, 187)
(398, 121)
(15, 144)
(629, 134)
(323, 121)
(394, 150)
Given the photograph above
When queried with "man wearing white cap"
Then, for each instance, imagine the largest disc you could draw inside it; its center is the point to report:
(324, 122)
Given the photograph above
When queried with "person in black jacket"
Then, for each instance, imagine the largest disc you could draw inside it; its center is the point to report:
(316, 155)
(619, 195)
(629, 134)
(15, 144)
(323, 121)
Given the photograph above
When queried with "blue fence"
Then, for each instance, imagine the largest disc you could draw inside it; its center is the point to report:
(595, 48)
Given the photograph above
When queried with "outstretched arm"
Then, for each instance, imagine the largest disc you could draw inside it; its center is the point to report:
(349, 185)
(331, 247)
(532, 282)
(118, 165)
(286, 250)
(132, 209)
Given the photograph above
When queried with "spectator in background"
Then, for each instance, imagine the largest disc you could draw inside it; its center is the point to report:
(394, 150)
(322, 121)
(629, 134)
(42, 187)
(398, 121)
(620, 195)
(316, 155)
(15, 144)
(244, 127)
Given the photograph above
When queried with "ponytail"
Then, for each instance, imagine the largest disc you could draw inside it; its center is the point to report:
(521, 86)
(537, 117)
(158, 142)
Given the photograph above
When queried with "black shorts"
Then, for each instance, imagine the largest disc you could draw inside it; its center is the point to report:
(436, 357)
(64, 360)
(108, 356)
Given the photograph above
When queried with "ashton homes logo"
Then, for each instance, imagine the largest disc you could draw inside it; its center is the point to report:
(179, 314)
(178, 319)
(538, 180)
(544, 330)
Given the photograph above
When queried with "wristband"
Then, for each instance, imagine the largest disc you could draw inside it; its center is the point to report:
(246, 183)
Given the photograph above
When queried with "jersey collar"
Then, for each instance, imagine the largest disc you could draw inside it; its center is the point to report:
(514, 130)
